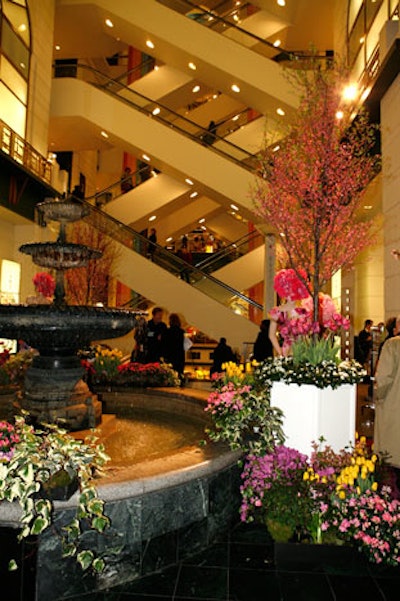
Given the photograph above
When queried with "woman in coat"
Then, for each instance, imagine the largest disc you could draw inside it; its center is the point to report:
(174, 350)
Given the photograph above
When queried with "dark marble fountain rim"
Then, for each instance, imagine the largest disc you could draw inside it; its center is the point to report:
(137, 487)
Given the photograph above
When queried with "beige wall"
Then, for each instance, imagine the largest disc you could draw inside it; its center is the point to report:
(42, 19)
(390, 128)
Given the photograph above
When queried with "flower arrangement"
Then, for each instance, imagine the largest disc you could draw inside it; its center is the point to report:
(325, 373)
(146, 374)
(32, 462)
(102, 363)
(44, 284)
(241, 414)
(14, 366)
(330, 497)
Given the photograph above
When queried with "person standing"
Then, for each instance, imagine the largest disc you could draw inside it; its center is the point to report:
(263, 346)
(387, 401)
(152, 243)
(156, 330)
(223, 353)
(126, 180)
(365, 344)
(174, 349)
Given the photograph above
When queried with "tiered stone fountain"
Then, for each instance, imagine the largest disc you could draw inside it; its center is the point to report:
(54, 390)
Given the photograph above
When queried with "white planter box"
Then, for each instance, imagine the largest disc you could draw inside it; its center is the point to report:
(311, 412)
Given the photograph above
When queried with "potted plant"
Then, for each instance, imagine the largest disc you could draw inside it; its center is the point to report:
(332, 499)
(35, 461)
(241, 412)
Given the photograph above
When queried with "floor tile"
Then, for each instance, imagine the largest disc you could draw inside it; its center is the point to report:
(305, 587)
(357, 587)
(215, 556)
(253, 585)
(202, 583)
(252, 556)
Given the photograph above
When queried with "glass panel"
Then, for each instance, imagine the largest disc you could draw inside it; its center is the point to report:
(18, 17)
(372, 7)
(357, 37)
(13, 112)
(15, 50)
(13, 80)
(354, 7)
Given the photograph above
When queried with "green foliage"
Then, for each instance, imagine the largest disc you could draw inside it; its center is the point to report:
(315, 350)
(51, 455)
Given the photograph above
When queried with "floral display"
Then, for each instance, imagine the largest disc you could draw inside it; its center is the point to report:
(288, 285)
(8, 438)
(102, 363)
(14, 366)
(241, 414)
(147, 374)
(44, 283)
(330, 497)
(320, 373)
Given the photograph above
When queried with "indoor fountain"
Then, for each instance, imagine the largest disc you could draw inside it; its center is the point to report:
(53, 388)
(165, 507)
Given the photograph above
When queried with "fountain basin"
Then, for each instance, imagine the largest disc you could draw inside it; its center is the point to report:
(161, 510)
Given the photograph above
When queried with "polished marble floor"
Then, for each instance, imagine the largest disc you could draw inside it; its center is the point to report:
(242, 568)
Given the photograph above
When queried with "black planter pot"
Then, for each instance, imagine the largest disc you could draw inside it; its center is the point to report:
(305, 556)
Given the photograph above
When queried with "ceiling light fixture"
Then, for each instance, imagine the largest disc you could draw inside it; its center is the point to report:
(194, 194)
(203, 227)
(202, 220)
(350, 92)
(280, 111)
(104, 134)
(109, 23)
(156, 111)
(365, 94)
(339, 114)
(169, 239)
(189, 181)
(276, 148)
(156, 68)
(235, 118)
(192, 66)
(145, 157)
(281, 2)
(153, 218)
(277, 43)
(234, 207)
(22, 27)
(154, 173)
(235, 88)
(149, 44)
(367, 207)
(57, 47)
(236, 18)
(195, 89)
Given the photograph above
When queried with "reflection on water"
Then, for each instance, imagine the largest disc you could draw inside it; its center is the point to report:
(148, 436)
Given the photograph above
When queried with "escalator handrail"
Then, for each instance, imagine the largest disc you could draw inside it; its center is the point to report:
(201, 130)
(161, 251)
(232, 247)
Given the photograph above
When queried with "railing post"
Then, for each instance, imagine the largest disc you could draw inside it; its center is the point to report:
(269, 273)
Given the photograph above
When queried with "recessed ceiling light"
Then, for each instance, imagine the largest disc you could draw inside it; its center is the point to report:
(277, 43)
(203, 227)
(280, 111)
(189, 181)
(156, 111)
(156, 68)
(196, 89)
(153, 217)
(22, 27)
(235, 88)
(339, 115)
(145, 157)
(367, 207)
(192, 66)
(22, 65)
(282, 235)
(149, 44)
(169, 239)
(236, 18)
(154, 173)
(202, 220)
(235, 118)
(281, 2)
(109, 23)
(215, 96)
(104, 134)
(362, 40)
(234, 207)
(57, 47)
(194, 194)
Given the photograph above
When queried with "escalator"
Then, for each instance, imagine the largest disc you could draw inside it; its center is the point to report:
(214, 55)
(208, 304)
(224, 170)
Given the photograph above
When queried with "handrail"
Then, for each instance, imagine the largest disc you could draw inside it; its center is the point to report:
(22, 152)
(169, 118)
(113, 191)
(265, 48)
(162, 257)
(230, 252)
(125, 75)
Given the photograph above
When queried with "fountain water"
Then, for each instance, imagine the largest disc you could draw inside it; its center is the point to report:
(54, 390)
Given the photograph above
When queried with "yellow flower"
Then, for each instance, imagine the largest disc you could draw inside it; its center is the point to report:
(342, 495)
(306, 476)
(374, 486)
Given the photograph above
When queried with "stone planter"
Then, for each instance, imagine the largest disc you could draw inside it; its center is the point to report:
(311, 412)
